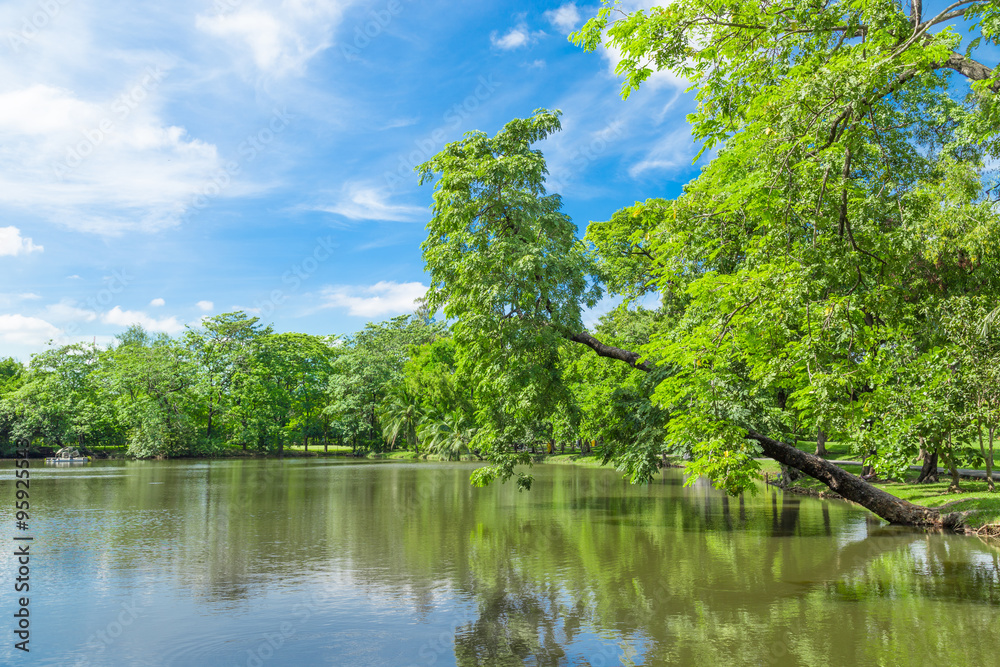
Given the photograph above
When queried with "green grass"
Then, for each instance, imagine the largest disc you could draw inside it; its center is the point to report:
(588, 460)
(983, 507)
(318, 449)
(401, 455)
(835, 451)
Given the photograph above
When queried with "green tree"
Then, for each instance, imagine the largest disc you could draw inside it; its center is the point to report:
(152, 383)
(307, 364)
(223, 346)
(448, 435)
(60, 400)
(11, 372)
(431, 375)
(977, 365)
(846, 203)
(614, 401)
(505, 264)
(846, 197)
(370, 365)
(400, 415)
(280, 397)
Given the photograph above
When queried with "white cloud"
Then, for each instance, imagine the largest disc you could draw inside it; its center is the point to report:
(674, 151)
(634, 138)
(591, 135)
(205, 305)
(515, 38)
(21, 330)
(67, 311)
(565, 18)
(401, 122)
(363, 202)
(102, 165)
(156, 303)
(11, 242)
(280, 40)
(126, 318)
(382, 298)
(9, 298)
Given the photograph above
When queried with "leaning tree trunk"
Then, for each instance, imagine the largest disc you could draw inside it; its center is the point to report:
(851, 487)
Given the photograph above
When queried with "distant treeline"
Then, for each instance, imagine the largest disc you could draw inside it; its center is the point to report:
(233, 385)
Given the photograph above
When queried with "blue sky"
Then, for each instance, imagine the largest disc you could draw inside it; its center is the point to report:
(163, 162)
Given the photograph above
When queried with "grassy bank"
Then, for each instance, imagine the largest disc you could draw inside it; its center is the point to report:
(982, 508)
(405, 455)
(588, 460)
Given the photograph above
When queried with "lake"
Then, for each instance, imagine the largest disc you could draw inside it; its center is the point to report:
(344, 562)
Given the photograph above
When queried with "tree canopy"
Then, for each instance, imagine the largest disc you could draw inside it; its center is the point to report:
(808, 274)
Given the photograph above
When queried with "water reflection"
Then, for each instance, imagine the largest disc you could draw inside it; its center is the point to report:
(417, 567)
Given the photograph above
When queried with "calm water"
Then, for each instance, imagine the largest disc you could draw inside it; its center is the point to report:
(348, 563)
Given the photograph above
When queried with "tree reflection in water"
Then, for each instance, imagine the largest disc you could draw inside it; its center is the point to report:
(764, 588)
(583, 570)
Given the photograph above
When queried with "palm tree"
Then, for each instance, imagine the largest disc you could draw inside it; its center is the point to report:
(989, 322)
(400, 414)
(447, 435)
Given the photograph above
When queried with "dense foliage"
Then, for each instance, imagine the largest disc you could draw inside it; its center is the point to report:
(230, 383)
(833, 271)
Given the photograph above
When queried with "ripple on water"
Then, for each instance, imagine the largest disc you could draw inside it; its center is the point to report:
(215, 647)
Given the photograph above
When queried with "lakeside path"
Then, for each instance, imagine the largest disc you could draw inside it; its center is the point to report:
(962, 472)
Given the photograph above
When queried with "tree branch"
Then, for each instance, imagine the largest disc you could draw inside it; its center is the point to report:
(611, 352)
(845, 175)
(949, 12)
(968, 68)
(729, 317)
(848, 485)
